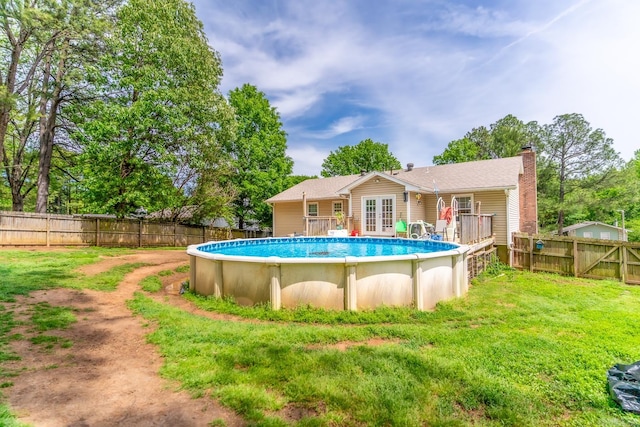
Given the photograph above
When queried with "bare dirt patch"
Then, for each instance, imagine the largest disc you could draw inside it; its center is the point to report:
(109, 376)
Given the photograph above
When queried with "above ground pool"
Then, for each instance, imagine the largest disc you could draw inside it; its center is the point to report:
(330, 272)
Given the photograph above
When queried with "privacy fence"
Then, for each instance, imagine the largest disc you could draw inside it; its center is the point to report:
(579, 257)
(30, 229)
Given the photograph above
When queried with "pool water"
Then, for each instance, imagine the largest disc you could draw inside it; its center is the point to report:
(325, 247)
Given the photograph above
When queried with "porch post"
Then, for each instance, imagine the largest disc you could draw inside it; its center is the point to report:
(304, 214)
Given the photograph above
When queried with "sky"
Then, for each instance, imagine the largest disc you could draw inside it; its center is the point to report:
(418, 74)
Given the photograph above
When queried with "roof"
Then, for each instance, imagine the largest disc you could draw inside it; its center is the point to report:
(316, 189)
(481, 175)
(588, 223)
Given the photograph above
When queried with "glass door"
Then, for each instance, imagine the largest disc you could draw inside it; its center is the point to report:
(379, 213)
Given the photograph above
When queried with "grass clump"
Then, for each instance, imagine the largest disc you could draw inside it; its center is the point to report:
(182, 269)
(8, 419)
(151, 284)
(46, 317)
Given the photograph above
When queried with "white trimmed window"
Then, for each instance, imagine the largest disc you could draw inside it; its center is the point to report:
(337, 207)
(465, 204)
(312, 209)
(588, 234)
(605, 235)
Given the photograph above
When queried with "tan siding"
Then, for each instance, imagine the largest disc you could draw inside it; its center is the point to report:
(491, 202)
(417, 211)
(287, 218)
(514, 213)
(495, 202)
(372, 188)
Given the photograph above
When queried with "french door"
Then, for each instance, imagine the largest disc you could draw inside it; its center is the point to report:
(379, 212)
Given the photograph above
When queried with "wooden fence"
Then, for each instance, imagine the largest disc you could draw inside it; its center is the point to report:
(30, 229)
(577, 256)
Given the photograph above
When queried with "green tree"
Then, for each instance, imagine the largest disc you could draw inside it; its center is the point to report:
(367, 155)
(504, 138)
(151, 136)
(49, 44)
(259, 161)
(580, 157)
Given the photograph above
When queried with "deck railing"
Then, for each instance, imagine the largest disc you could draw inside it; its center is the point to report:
(320, 225)
(474, 228)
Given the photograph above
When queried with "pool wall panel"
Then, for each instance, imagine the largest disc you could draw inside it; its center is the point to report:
(327, 291)
(436, 281)
(248, 283)
(384, 283)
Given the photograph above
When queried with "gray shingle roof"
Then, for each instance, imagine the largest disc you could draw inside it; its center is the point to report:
(480, 175)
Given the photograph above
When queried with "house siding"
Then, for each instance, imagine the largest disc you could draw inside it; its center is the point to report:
(491, 202)
(287, 218)
(513, 211)
(371, 189)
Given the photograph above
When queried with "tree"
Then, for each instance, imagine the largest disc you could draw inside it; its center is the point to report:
(367, 155)
(151, 136)
(259, 161)
(50, 43)
(578, 155)
(504, 138)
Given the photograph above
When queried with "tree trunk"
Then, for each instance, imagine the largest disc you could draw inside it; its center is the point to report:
(48, 126)
(10, 83)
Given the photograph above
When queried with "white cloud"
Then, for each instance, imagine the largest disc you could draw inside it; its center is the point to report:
(430, 71)
(307, 158)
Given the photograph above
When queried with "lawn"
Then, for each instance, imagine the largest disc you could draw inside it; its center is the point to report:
(520, 349)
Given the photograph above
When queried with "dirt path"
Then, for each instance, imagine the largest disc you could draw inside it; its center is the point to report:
(109, 377)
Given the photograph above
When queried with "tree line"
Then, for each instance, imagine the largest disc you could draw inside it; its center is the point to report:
(580, 175)
(114, 107)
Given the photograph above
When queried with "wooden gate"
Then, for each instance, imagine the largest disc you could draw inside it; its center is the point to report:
(579, 257)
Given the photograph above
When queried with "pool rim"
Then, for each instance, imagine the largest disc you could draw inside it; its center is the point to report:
(273, 259)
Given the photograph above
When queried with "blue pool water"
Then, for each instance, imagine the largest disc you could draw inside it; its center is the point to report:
(324, 247)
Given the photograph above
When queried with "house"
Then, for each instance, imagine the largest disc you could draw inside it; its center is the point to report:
(595, 230)
(500, 192)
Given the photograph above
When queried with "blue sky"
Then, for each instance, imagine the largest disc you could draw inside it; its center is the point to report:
(417, 74)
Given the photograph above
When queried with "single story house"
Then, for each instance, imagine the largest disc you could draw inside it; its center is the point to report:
(595, 230)
(373, 202)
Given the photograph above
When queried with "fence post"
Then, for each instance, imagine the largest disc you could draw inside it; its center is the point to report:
(97, 231)
(530, 252)
(48, 228)
(175, 235)
(623, 265)
(139, 233)
(575, 258)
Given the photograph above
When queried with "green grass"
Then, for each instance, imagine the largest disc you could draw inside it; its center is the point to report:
(151, 284)
(521, 349)
(25, 271)
(46, 317)
(7, 419)
(182, 269)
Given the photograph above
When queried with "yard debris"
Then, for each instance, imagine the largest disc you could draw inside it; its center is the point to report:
(624, 386)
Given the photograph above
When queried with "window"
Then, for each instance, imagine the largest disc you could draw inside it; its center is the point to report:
(465, 204)
(605, 235)
(587, 234)
(337, 207)
(312, 209)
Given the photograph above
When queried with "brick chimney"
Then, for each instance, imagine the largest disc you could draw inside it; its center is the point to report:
(528, 192)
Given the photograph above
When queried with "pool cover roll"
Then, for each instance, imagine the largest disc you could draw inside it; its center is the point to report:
(624, 386)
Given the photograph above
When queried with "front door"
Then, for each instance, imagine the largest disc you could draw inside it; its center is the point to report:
(379, 213)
